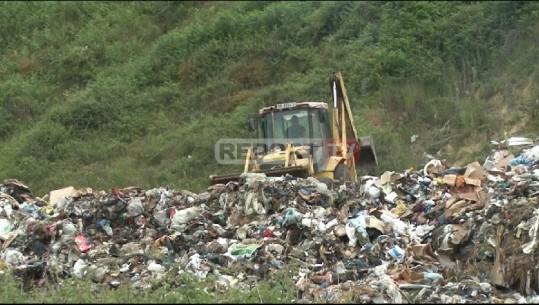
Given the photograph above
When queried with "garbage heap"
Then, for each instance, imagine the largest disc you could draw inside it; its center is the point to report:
(439, 234)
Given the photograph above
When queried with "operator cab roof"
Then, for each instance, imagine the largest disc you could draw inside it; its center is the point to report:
(293, 105)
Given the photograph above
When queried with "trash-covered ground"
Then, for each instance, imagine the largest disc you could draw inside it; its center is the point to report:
(438, 234)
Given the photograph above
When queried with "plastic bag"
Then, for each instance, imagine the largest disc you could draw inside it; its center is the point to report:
(135, 207)
(68, 231)
(254, 203)
(432, 277)
(5, 226)
(9, 210)
(161, 219)
(154, 267)
(398, 225)
(63, 202)
(252, 179)
(108, 230)
(323, 227)
(82, 244)
(292, 216)
(13, 257)
(371, 189)
(243, 251)
(194, 266)
(361, 227)
(182, 217)
(351, 233)
(223, 200)
(308, 222)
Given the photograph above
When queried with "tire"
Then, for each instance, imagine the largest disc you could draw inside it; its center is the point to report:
(341, 173)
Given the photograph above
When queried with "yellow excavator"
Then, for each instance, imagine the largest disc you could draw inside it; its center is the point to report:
(326, 148)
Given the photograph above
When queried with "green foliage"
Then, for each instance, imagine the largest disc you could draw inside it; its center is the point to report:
(95, 93)
(182, 288)
(21, 101)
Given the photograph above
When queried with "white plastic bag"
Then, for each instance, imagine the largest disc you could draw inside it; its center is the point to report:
(157, 268)
(13, 257)
(68, 231)
(161, 218)
(5, 226)
(398, 225)
(182, 217)
(351, 233)
(254, 203)
(135, 207)
(79, 269)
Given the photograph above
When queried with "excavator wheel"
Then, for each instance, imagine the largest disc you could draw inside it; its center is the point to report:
(341, 173)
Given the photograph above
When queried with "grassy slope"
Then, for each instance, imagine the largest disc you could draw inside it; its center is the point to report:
(120, 93)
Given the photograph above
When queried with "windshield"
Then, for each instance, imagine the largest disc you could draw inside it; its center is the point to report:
(292, 124)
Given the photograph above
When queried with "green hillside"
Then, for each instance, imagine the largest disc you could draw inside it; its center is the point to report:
(113, 94)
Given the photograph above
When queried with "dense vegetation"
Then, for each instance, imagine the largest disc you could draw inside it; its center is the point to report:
(120, 93)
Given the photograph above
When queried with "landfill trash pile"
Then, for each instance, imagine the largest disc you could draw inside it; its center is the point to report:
(439, 234)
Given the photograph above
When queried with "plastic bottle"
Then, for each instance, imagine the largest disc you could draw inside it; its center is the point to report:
(108, 230)
(396, 252)
(106, 227)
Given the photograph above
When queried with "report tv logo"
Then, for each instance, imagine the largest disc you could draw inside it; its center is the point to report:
(234, 151)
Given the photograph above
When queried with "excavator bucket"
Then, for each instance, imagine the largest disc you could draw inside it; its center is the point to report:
(295, 171)
(368, 161)
(224, 179)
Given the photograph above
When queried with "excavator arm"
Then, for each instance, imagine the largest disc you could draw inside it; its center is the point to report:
(359, 151)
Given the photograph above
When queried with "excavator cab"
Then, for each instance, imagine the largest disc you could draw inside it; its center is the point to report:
(299, 124)
(290, 134)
